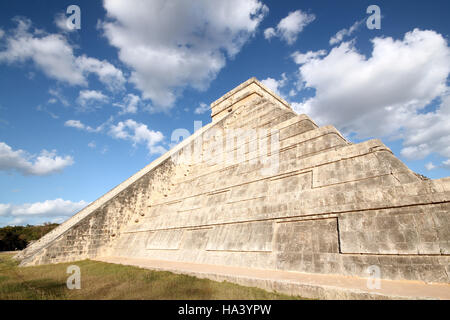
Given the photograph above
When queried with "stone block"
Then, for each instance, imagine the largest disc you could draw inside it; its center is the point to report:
(328, 206)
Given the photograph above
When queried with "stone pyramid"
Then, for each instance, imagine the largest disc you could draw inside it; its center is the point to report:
(265, 188)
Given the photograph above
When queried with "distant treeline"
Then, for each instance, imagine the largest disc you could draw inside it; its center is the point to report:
(17, 238)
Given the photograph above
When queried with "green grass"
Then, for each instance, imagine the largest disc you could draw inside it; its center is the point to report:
(110, 281)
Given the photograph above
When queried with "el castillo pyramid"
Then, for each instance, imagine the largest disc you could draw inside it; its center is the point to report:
(265, 188)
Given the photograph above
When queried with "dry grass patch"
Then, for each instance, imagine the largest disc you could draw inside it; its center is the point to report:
(101, 280)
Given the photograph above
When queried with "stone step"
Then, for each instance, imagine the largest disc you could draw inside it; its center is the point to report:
(289, 128)
(321, 161)
(311, 148)
(262, 118)
(306, 285)
(246, 112)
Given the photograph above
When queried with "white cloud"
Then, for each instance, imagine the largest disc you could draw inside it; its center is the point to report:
(61, 23)
(77, 124)
(92, 145)
(104, 150)
(275, 85)
(138, 133)
(430, 166)
(46, 163)
(130, 104)
(57, 96)
(170, 46)
(44, 109)
(271, 83)
(385, 95)
(446, 164)
(49, 208)
(301, 58)
(2, 33)
(202, 108)
(16, 222)
(427, 133)
(53, 55)
(4, 209)
(108, 74)
(90, 97)
(339, 36)
(50, 53)
(290, 27)
(269, 33)
(56, 210)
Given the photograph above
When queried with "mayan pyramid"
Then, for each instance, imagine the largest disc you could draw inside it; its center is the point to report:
(263, 187)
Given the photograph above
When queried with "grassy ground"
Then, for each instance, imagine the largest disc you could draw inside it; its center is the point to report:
(109, 281)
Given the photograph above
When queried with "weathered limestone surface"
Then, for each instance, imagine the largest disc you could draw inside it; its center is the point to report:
(266, 188)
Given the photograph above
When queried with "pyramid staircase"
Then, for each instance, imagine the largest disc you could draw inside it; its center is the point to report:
(262, 187)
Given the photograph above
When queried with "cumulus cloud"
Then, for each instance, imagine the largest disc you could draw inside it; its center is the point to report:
(56, 210)
(275, 85)
(53, 55)
(4, 209)
(49, 208)
(269, 33)
(130, 104)
(446, 164)
(386, 94)
(301, 58)
(77, 124)
(61, 23)
(74, 124)
(169, 46)
(129, 130)
(50, 53)
(108, 74)
(57, 96)
(87, 98)
(430, 166)
(427, 133)
(341, 34)
(202, 108)
(138, 133)
(46, 163)
(290, 27)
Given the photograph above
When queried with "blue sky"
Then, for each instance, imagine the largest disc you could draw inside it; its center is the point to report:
(82, 110)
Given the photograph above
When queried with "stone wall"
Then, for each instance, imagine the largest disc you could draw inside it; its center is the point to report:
(94, 234)
(311, 202)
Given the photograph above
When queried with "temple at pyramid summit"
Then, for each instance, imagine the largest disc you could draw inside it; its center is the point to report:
(262, 188)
